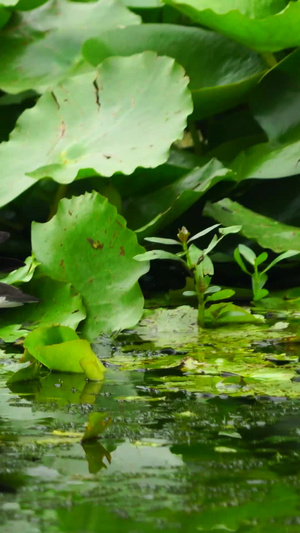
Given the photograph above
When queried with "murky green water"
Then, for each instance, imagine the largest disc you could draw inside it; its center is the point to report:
(171, 460)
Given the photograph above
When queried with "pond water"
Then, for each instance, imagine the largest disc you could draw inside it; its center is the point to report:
(172, 459)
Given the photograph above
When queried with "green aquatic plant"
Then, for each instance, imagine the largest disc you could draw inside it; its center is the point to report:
(258, 278)
(196, 262)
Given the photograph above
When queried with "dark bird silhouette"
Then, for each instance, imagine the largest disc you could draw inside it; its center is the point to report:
(11, 296)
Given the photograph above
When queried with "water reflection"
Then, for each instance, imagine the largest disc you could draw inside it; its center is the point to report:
(171, 462)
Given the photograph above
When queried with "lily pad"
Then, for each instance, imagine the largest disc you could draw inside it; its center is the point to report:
(113, 120)
(267, 232)
(266, 26)
(59, 348)
(221, 72)
(88, 245)
(45, 45)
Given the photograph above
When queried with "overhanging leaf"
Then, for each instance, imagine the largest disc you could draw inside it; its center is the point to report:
(158, 209)
(221, 72)
(267, 232)
(264, 26)
(88, 245)
(276, 100)
(44, 45)
(125, 115)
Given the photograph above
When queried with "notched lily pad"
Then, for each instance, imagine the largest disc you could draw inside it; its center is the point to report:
(125, 114)
(88, 245)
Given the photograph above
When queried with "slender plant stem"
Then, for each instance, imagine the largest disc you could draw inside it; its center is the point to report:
(201, 310)
(196, 139)
(270, 59)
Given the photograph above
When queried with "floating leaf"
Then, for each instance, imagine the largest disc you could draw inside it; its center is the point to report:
(59, 348)
(267, 232)
(121, 108)
(88, 245)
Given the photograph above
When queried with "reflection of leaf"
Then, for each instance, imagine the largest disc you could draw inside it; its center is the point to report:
(95, 454)
(267, 232)
(88, 245)
(97, 424)
(25, 374)
(122, 109)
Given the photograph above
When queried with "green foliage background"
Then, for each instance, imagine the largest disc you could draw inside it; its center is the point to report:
(159, 106)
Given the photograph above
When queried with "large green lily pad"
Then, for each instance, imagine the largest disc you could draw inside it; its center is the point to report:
(45, 45)
(266, 231)
(265, 26)
(112, 120)
(221, 72)
(88, 245)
